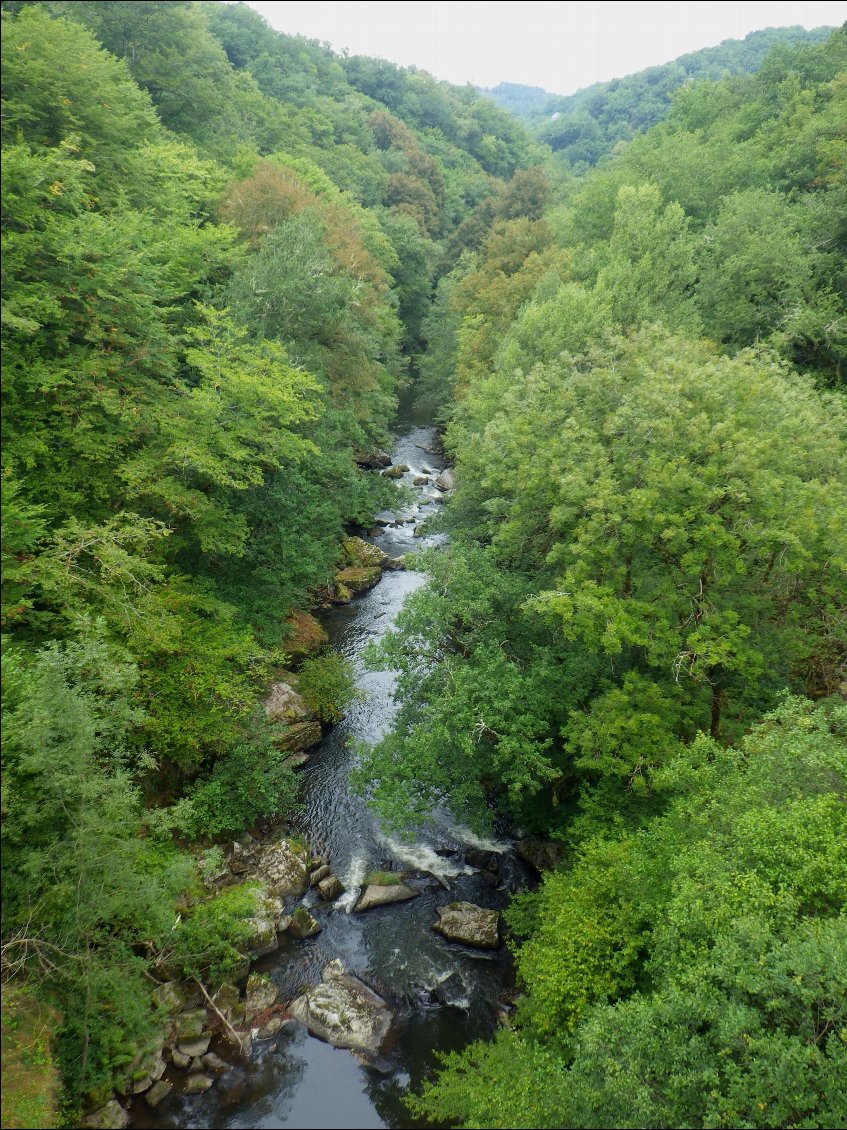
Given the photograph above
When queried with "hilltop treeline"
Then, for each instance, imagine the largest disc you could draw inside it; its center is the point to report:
(584, 127)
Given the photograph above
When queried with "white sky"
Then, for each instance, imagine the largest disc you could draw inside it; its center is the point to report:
(560, 46)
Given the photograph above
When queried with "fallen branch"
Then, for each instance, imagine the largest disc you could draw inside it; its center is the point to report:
(230, 1030)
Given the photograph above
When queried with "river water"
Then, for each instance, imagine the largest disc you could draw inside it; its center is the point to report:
(297, 1080)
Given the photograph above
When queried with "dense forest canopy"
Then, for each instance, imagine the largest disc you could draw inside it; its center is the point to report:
(227, 252)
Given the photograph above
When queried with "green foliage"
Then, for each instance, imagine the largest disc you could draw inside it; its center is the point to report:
(327, 684)
(249, 780)
(693, 974)
(209, 942)
(382, 878)
(81, 886)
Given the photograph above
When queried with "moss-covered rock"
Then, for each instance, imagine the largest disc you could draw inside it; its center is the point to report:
(359, 552)
(304, 636)
(303, 924)
(297, 737)
(358, 578)
(284, 702)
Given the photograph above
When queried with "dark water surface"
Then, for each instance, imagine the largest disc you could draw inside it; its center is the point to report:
(297, 1080)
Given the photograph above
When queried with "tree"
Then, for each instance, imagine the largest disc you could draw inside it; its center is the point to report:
(693, 974)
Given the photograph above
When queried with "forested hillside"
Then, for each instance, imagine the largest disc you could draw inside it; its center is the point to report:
(585, 126)
(219, 248)
(227, 253)
(635, 643)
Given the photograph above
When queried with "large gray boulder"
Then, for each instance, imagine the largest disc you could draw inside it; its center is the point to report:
(343, 1011)
(112, 1116)
(285, 703)
(469, 924)
(283, 868)
(541, 855)
(446, 480)
(379, 894)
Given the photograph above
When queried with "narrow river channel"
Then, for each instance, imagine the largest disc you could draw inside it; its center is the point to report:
(444, 995)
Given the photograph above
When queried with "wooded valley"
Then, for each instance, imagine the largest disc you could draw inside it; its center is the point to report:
(228, 253)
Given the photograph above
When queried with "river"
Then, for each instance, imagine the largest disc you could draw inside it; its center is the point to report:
(297, 1080)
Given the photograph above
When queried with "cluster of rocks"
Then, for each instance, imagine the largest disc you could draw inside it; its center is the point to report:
(275, 872)
(329, 886)
(341, 1008)
(183, 1050)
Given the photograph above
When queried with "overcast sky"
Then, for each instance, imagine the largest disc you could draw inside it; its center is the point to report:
(560, 46)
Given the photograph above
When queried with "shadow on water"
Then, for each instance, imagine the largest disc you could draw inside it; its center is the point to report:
(297, 1080)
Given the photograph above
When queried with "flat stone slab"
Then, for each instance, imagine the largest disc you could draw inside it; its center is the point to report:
(112, 1116)
(158, 1092)
(197, 1084)
(194, 1047)
(377, 895)
(469, 924)
(343, 1011)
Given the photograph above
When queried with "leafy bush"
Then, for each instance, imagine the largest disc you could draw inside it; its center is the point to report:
(328, 685)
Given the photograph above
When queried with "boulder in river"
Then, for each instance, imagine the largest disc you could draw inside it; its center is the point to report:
(382, 894)
(260, 994)
(303, 924)
(542, 855)
(357, 551)
(397, 471)
(343, 1011)
(481, 859)
(446, 480)
(469, 924)
(420, 480)
(330, 888)
(322, 872)
(358, 578)
(450, 991)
